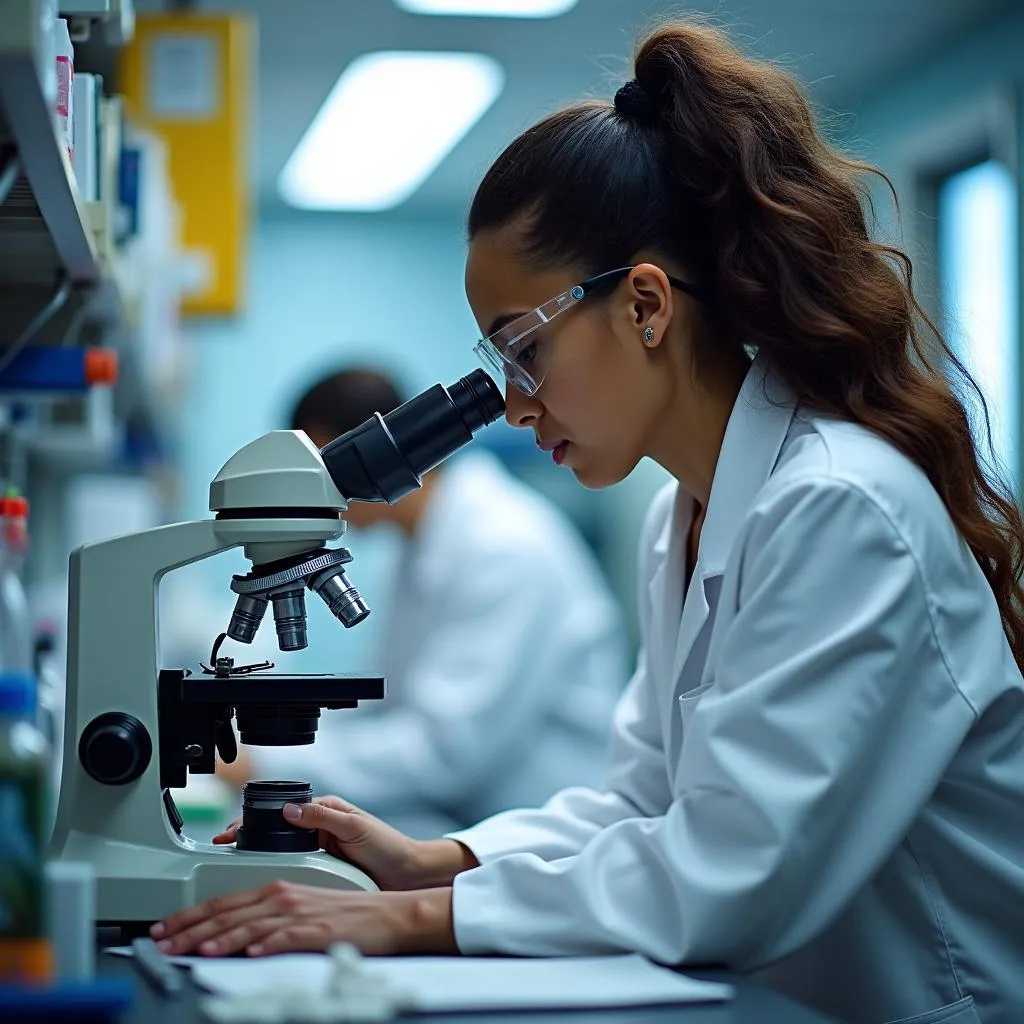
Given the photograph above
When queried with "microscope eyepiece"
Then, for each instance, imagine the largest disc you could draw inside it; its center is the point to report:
(384, 458)
(478, 400)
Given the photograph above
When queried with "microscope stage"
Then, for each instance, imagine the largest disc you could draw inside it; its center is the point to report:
(272, 687)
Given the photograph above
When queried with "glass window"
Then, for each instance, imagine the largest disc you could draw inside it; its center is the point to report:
(979, 285)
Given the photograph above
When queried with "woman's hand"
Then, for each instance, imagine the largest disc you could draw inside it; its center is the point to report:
(282, 918)
(391, 859)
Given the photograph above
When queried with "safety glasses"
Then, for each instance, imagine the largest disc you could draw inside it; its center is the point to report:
(523, 358)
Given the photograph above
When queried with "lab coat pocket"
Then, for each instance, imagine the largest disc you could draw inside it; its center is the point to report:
(963, 1011)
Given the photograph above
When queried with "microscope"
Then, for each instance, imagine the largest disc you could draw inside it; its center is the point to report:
(134, 731)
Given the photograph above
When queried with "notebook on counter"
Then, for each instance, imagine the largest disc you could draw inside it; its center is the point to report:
(459, 984)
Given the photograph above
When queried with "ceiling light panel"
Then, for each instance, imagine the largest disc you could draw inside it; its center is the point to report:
(489, 8)
(390, 119)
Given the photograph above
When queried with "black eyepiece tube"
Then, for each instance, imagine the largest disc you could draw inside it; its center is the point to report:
(384, 458)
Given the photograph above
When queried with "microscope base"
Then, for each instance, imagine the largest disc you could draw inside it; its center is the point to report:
(144, 884)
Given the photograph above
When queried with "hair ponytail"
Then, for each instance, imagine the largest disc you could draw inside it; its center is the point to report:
(720, 166)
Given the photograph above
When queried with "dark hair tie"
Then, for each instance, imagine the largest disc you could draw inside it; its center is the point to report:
(633, 101)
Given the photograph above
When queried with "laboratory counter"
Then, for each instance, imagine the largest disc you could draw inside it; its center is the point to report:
(752, 1004)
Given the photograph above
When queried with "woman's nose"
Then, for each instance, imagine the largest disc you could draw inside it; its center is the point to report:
(520, 410)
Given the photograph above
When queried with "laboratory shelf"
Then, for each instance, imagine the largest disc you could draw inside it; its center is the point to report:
(85, 8)
(45, 236)
(117, 17)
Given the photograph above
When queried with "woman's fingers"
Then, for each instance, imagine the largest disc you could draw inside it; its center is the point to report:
(336, 803)
(343, 825)
(229, 834)
(308, 937)
(213, 928)
(185, 919)
(333, 803)
(243, 936)
(282, 916)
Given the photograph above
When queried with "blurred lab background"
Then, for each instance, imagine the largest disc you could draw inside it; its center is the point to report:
(246, 194)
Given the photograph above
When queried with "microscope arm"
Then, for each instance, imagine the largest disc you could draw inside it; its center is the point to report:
(113, 643)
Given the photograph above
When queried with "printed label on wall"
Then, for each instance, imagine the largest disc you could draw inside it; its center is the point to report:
(183, 77)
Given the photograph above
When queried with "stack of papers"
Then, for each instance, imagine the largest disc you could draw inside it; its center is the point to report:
(457, 984)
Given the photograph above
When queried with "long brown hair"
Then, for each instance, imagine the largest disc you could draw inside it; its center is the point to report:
(716, 161)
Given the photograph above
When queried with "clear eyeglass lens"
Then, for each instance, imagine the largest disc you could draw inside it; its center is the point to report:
(506, 368)
(520, 358)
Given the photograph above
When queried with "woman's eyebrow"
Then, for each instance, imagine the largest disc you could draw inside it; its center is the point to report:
(506, 318)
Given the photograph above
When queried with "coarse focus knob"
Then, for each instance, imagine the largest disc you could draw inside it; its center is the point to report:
(115, 748)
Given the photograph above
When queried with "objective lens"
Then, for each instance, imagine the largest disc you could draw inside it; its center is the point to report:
(290, 619)
(265, 828)
(341, 597)
(246, 617)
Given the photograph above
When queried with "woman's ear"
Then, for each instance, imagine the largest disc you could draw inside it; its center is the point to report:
(650, 298)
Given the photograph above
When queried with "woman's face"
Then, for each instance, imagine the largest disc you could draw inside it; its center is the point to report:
(599, 402)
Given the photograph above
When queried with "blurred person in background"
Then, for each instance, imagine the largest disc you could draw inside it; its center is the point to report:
(503, 650)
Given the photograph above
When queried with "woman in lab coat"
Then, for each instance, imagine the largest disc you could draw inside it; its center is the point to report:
(818, 772)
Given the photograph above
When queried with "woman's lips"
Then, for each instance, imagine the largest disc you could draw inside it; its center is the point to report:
(557, 449)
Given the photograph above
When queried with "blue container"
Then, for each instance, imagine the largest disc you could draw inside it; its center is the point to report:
(63, 370)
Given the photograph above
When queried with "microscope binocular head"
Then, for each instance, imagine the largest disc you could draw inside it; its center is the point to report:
(382, 459)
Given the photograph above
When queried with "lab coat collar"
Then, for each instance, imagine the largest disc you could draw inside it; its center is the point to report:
(754, 436)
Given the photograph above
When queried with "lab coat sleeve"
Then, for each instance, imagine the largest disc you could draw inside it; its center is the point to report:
(831, 718)
(469, 699)
(637, 783)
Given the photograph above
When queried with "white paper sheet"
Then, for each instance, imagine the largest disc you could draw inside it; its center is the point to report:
(453, 984)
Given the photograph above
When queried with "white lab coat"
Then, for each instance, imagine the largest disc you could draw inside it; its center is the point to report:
(504, 655)
(818, 767)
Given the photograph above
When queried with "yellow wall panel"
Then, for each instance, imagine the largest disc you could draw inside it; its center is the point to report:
(190, 78)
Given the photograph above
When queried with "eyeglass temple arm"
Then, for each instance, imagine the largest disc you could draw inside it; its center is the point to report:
(611, 276)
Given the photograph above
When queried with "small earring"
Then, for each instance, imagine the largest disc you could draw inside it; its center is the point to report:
(648, 335)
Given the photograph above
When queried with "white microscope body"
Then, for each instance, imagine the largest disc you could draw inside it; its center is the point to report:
(144, 868)
(133, 731)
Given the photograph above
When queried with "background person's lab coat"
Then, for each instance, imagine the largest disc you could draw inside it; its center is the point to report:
(504, 657)
(818, 768)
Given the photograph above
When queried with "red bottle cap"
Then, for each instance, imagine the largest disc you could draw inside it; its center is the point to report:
(100, 366)
(14, 507)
